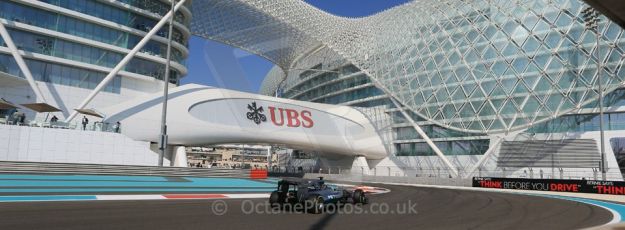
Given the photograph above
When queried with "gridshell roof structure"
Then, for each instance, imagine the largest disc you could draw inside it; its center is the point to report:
(481, 66)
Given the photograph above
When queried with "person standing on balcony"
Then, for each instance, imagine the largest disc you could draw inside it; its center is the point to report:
(19, 117)
(85, 121)
(117, 126)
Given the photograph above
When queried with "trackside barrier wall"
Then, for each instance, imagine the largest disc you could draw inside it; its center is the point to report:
(553, 185)
(392, 179)
(258, 174)
(285, 174)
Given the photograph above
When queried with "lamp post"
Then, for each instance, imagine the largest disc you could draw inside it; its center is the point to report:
(163, 139)
(591, 19)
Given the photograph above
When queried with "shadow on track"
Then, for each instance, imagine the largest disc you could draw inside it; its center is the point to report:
(321, 224)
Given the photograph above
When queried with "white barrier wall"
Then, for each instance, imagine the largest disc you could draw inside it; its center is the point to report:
(22, 143)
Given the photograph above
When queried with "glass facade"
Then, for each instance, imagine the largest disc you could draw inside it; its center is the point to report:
(478, 66)
(581, 123)
(158, 7)
(618, 147)
(59, 74)
(447, 147)
(587, 122)
(337, 86)
(66, 49)
(348, 85)
(120, 16)
(433, 131)
(451, 142)
(465, 71)
(51, 44)
(499, 66)
(77, 27)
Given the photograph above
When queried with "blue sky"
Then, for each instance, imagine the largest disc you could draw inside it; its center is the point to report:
(215, 64)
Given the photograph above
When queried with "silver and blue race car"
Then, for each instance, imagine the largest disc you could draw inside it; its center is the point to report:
(314, 195)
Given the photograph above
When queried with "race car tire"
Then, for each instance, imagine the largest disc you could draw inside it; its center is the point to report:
(359, 197)
(344, 197)
(274, 199)
(315, 204)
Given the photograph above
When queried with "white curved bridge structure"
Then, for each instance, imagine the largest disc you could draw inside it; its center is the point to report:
(200, 115)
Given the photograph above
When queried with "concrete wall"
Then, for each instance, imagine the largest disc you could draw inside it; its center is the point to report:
(21, 143)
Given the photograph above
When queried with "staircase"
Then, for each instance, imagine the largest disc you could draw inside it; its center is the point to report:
(566, 153)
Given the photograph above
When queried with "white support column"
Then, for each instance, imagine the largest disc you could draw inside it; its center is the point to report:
(425, 137)
(179, 157)
(125, 60)
(484, 157)
(360, 166)
(21, 63)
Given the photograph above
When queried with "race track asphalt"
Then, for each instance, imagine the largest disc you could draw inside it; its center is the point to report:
(436, 209)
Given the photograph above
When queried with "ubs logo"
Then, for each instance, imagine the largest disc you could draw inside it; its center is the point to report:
(256, 113)
(280, 116)
(293, 117)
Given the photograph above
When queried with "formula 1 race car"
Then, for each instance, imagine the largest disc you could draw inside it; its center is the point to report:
(313, 195)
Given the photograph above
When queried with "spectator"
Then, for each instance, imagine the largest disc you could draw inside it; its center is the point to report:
(85, 121)
(117, 126)
(10, 118)
(19, 117)
(54, 119)
(524, 174)
(15, 117)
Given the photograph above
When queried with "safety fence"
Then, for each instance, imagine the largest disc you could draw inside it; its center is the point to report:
(98, 126)
(392, 179)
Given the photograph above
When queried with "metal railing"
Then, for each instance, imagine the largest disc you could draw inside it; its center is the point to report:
(128, 170)
(76, 125)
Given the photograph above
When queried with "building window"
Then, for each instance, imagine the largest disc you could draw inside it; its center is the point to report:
(83, 53)
(472, 147)
(618, 147)
(60, 74)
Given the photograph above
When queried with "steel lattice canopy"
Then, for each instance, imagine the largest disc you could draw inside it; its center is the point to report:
(482, 66)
